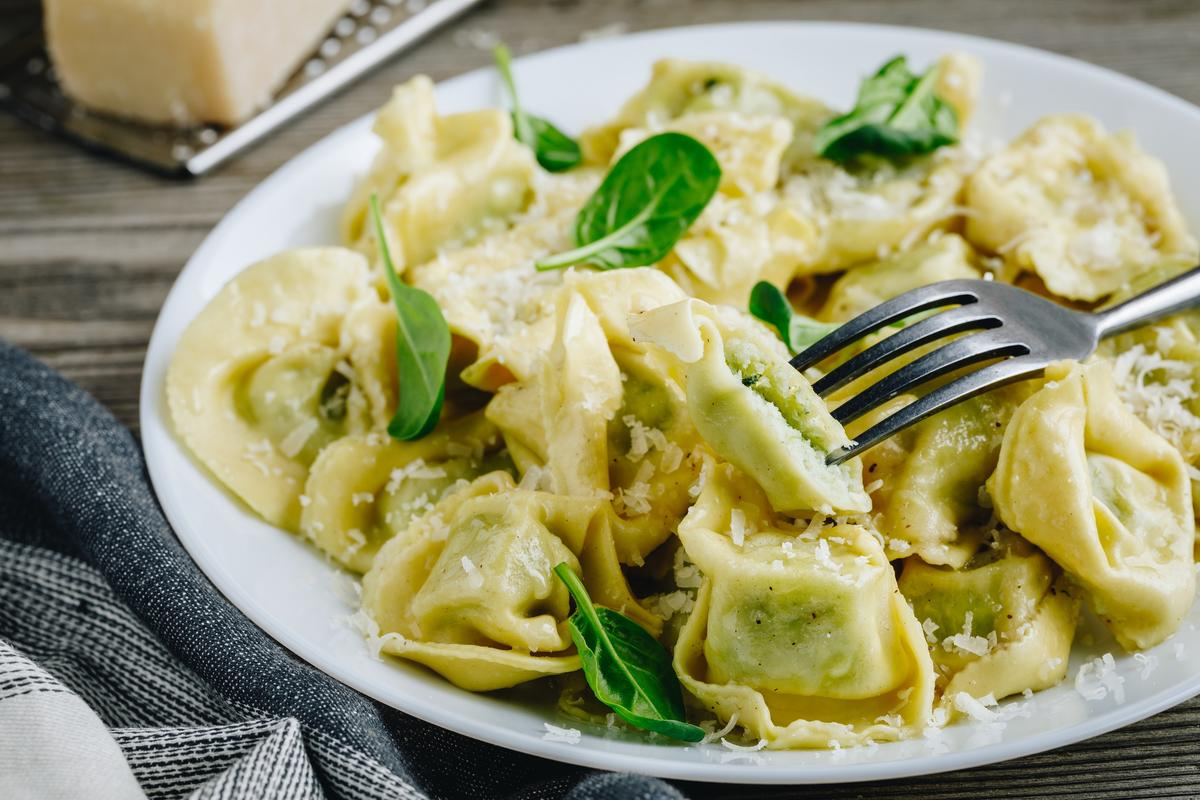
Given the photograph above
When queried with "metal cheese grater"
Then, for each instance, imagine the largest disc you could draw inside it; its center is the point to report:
(371, 32)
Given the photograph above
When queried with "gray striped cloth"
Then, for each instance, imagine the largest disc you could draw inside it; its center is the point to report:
(124, 674)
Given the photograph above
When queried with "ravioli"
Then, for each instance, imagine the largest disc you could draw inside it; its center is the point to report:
(1083, 209)
(1105, 497)
(282, 362)
(799, 632)
(754, 409)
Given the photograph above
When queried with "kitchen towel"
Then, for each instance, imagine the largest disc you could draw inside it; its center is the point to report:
(125, 674)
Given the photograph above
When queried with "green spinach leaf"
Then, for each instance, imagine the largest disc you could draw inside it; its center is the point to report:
(555, 150)
(797, 331)
(650, 197)
(422, 349)
(627, 668)
(897, 114)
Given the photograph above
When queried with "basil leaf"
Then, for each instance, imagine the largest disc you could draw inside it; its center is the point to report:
(629, 671)
(422, 349)
(555, 150)
(797, 331)
(650, 197)
(897, 114)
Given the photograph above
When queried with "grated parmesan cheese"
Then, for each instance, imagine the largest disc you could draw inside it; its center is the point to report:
(362, 621)
(717, 735)
(1158, 391)
(1098, 678)
(635, 500)
(356, 543)
(294, 442)
(474, 576)
(965, 642)
(416, 469)
(825, 559)
(556, 734)
(1147, 663)
(671, 603)
(737, 526)
(752, 748)
(973, 708)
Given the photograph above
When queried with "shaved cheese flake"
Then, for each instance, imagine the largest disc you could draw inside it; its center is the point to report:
(737, 526)
(717, 735)
(965, 642)
(1098, 678)
(753, 748)
(474, 576)
(973, 708)
(565, 735)
(1148, 663)
(294, 442)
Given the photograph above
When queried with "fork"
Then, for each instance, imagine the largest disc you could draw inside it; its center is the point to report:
(1016, 329)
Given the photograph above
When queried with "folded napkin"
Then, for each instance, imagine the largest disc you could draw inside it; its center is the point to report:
(125, 674)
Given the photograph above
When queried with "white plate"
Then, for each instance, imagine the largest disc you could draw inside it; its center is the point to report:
(299, 599)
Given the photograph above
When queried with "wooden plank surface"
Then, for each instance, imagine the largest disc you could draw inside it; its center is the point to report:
(89, 248)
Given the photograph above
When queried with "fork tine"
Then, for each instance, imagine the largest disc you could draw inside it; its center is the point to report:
(943, 397)
(941, 324)
(926, 297)
(957, 354)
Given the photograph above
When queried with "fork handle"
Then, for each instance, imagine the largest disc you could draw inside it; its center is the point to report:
(1178, 294)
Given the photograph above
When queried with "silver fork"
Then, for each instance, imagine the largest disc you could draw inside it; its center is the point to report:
(1018, 330)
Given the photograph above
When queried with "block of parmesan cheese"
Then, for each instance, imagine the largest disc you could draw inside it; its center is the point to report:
(182, 61)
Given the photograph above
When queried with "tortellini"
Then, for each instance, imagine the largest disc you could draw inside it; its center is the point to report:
(865, 212)
(800, 633)
(678, 88)
(736, 243)
(1000, 625)
(750, 149)
(1084, 209)
(468, 589)
(604, 417)
(286, 359)
(364, 488)
(862, 216)
(440, 180)
(490, 295)
(860, 289)
(754, 409)
(1105, 497)
(932, 507)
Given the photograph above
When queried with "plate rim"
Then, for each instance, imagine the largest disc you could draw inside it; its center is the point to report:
(153, 412)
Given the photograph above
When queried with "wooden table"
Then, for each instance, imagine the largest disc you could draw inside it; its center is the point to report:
(89, 248)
